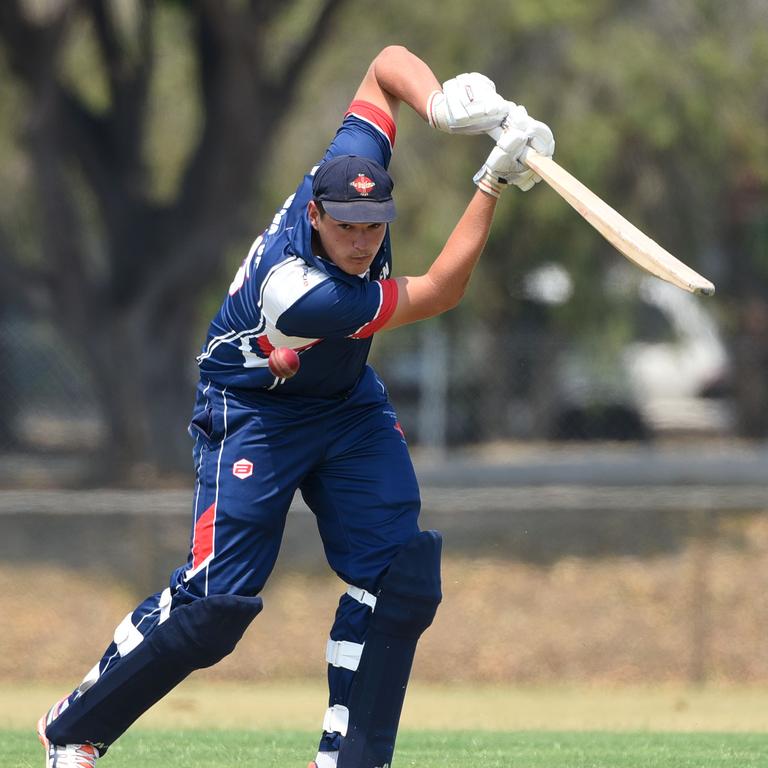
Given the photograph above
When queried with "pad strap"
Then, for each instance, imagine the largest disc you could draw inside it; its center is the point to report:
(342, 653)
(362, 596)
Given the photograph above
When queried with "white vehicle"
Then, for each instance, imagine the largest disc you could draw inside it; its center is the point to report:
(666, 380)
(670, 379)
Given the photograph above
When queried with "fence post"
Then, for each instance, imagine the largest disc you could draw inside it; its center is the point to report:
(433, 388)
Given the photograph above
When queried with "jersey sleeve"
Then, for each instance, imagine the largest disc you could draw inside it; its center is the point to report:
(336, 309)
(367, 131)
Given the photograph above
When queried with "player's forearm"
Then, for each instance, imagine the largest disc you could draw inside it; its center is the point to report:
(403, 76)
(442, 287)
(452, 269)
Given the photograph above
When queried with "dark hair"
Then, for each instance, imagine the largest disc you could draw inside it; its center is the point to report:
(319, 205)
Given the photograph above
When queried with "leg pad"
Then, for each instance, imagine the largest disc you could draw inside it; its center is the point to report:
(405, 607)
(195, 635)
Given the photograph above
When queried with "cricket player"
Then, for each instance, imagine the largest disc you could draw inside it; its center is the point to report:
(317, 281)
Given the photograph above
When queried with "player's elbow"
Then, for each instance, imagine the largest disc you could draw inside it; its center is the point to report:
(449, 297)
(443, 291)
(391, 62)
(392, 53)
(453, 299)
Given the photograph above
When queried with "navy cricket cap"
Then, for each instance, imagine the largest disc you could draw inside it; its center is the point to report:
(355, 190)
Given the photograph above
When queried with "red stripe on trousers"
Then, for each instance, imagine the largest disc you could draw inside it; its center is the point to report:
(203, 540)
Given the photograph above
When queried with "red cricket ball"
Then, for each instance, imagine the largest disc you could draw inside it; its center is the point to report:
(284, 362)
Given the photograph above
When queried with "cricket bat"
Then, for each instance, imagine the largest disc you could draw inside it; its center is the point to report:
(622, 234)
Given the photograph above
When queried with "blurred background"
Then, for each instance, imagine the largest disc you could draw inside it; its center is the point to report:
(591, 441)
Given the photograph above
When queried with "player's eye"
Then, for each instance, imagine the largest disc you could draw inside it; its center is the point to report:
(377, 225)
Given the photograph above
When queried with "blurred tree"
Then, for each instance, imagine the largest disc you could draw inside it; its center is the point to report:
(131, 228)
(659, 107)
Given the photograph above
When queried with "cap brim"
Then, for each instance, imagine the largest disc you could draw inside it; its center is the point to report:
(361, 211)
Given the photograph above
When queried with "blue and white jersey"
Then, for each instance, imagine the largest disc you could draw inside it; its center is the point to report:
(285, 296)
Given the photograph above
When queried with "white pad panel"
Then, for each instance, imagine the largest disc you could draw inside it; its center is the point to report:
(336, 719)
(127, 637)
(90, 678)
(165, 605)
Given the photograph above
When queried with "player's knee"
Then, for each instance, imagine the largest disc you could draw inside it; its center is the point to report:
(410, 590)
(206, 630)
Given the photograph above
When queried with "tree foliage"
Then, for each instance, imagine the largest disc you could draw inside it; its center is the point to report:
(123, 256)
(159, 136)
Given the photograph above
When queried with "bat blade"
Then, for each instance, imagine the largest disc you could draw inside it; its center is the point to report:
(622, 234)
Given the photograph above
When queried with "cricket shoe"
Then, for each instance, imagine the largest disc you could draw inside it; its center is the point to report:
(68, 755)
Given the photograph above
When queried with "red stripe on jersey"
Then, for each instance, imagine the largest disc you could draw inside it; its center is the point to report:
(264, 344)
(386, 310)
(202, 546)
(307, 346)
(375, 115)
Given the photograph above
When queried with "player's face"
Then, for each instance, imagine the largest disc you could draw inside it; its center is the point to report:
(351, 247)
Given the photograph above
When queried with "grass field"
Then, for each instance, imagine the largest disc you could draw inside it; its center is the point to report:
(424, 749)
(216, 725)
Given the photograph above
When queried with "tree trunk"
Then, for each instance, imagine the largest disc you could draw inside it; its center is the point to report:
(146, 389)
(170, 375)
(115, 354)
(124, 273)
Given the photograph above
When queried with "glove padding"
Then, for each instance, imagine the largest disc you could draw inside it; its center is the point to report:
(505, 163)
(467, 104)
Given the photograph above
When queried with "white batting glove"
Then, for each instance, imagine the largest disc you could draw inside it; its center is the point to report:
(467, 104)
(505, 165)
(540, 138)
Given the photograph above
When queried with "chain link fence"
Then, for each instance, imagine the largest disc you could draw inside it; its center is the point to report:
(602, 566)
(48, 401)
(452, 384)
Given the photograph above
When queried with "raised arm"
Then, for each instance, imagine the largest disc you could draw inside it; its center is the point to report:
(396, 75)
(467, 103)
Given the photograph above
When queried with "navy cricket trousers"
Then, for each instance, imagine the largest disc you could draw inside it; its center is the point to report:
(347, 457)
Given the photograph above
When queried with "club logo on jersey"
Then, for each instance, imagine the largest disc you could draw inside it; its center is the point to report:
(242, 468)
(362, 184)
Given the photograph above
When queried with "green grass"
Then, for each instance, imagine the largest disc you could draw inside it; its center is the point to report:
(425, 749)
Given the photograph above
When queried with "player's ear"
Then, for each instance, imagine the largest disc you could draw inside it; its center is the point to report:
(314, 213)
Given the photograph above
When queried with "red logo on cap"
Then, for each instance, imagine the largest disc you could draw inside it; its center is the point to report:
(362, 184)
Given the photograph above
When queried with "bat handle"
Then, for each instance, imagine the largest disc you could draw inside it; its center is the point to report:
(495, 134)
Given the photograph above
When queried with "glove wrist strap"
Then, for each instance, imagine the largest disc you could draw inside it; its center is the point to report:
(434, 99)
(488, 182)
